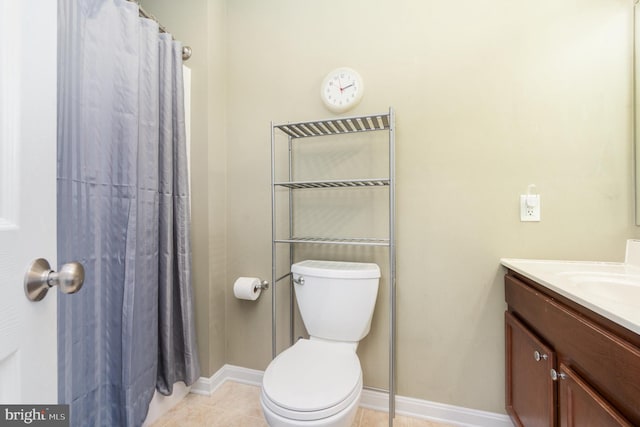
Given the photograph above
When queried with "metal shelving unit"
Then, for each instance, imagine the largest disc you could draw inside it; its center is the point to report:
(384, 122)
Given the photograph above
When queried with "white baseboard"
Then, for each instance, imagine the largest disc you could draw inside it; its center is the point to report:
(371, 399)
(207, 386)
(434, 411)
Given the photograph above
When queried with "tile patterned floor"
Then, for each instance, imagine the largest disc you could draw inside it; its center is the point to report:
(238, 405)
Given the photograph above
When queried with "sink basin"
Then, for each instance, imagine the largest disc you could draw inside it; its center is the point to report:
(618, 288)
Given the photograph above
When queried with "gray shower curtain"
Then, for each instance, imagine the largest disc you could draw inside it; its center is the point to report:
(123, 211)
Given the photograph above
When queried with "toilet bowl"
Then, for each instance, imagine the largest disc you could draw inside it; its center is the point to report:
(313, 383)
(317, 382)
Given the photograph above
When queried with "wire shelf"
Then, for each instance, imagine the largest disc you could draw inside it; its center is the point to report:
(336, 241)
(375, 182)
(338, 126)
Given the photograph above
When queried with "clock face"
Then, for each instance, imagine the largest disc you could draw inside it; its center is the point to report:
(341, 89)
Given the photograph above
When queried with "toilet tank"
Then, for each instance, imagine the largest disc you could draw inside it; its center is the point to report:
(336, 299)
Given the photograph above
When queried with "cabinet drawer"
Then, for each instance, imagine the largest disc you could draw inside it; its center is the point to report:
(610, 364)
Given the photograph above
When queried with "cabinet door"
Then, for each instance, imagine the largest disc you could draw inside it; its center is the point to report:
(530, 391)
(581, 406)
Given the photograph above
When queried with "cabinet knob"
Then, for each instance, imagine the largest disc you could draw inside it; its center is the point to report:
(556, 375)
(539, 356)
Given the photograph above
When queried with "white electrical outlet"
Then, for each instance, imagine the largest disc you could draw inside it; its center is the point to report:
(530, 207)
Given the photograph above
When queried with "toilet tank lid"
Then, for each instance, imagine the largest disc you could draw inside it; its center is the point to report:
(337, 269)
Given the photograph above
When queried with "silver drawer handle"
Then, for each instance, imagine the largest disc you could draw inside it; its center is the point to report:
(557, 375)
(40, 277)
(539, 356)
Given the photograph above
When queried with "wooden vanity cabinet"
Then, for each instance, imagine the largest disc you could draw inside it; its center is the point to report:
(595, 362)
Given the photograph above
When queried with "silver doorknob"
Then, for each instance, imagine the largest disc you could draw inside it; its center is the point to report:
(40, 277)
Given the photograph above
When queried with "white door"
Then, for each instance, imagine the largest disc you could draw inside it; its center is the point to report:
(28, 43)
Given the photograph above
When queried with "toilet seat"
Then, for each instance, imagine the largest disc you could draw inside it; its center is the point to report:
(312, 380)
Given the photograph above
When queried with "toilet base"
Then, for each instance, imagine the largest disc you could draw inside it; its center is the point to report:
(341, 419)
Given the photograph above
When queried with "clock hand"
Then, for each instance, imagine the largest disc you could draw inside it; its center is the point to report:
(346, 87)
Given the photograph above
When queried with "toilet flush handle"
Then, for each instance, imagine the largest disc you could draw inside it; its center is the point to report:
(299, 280)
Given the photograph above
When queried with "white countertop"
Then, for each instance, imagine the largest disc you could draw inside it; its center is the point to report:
(611, 289)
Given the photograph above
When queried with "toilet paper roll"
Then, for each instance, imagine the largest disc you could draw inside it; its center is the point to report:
(247, 288)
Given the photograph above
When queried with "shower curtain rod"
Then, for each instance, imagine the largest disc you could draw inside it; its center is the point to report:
(186, 50)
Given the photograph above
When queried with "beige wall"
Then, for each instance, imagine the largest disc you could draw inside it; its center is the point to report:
(489, 97)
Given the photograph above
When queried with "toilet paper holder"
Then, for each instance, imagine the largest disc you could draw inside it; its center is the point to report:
(263, 286)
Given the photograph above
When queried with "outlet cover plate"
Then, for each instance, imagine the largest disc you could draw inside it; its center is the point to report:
(529, 213)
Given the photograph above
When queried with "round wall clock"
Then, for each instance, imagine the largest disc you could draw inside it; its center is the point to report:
(341, 89)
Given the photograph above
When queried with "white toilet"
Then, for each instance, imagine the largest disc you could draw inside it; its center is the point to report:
(317, 382)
